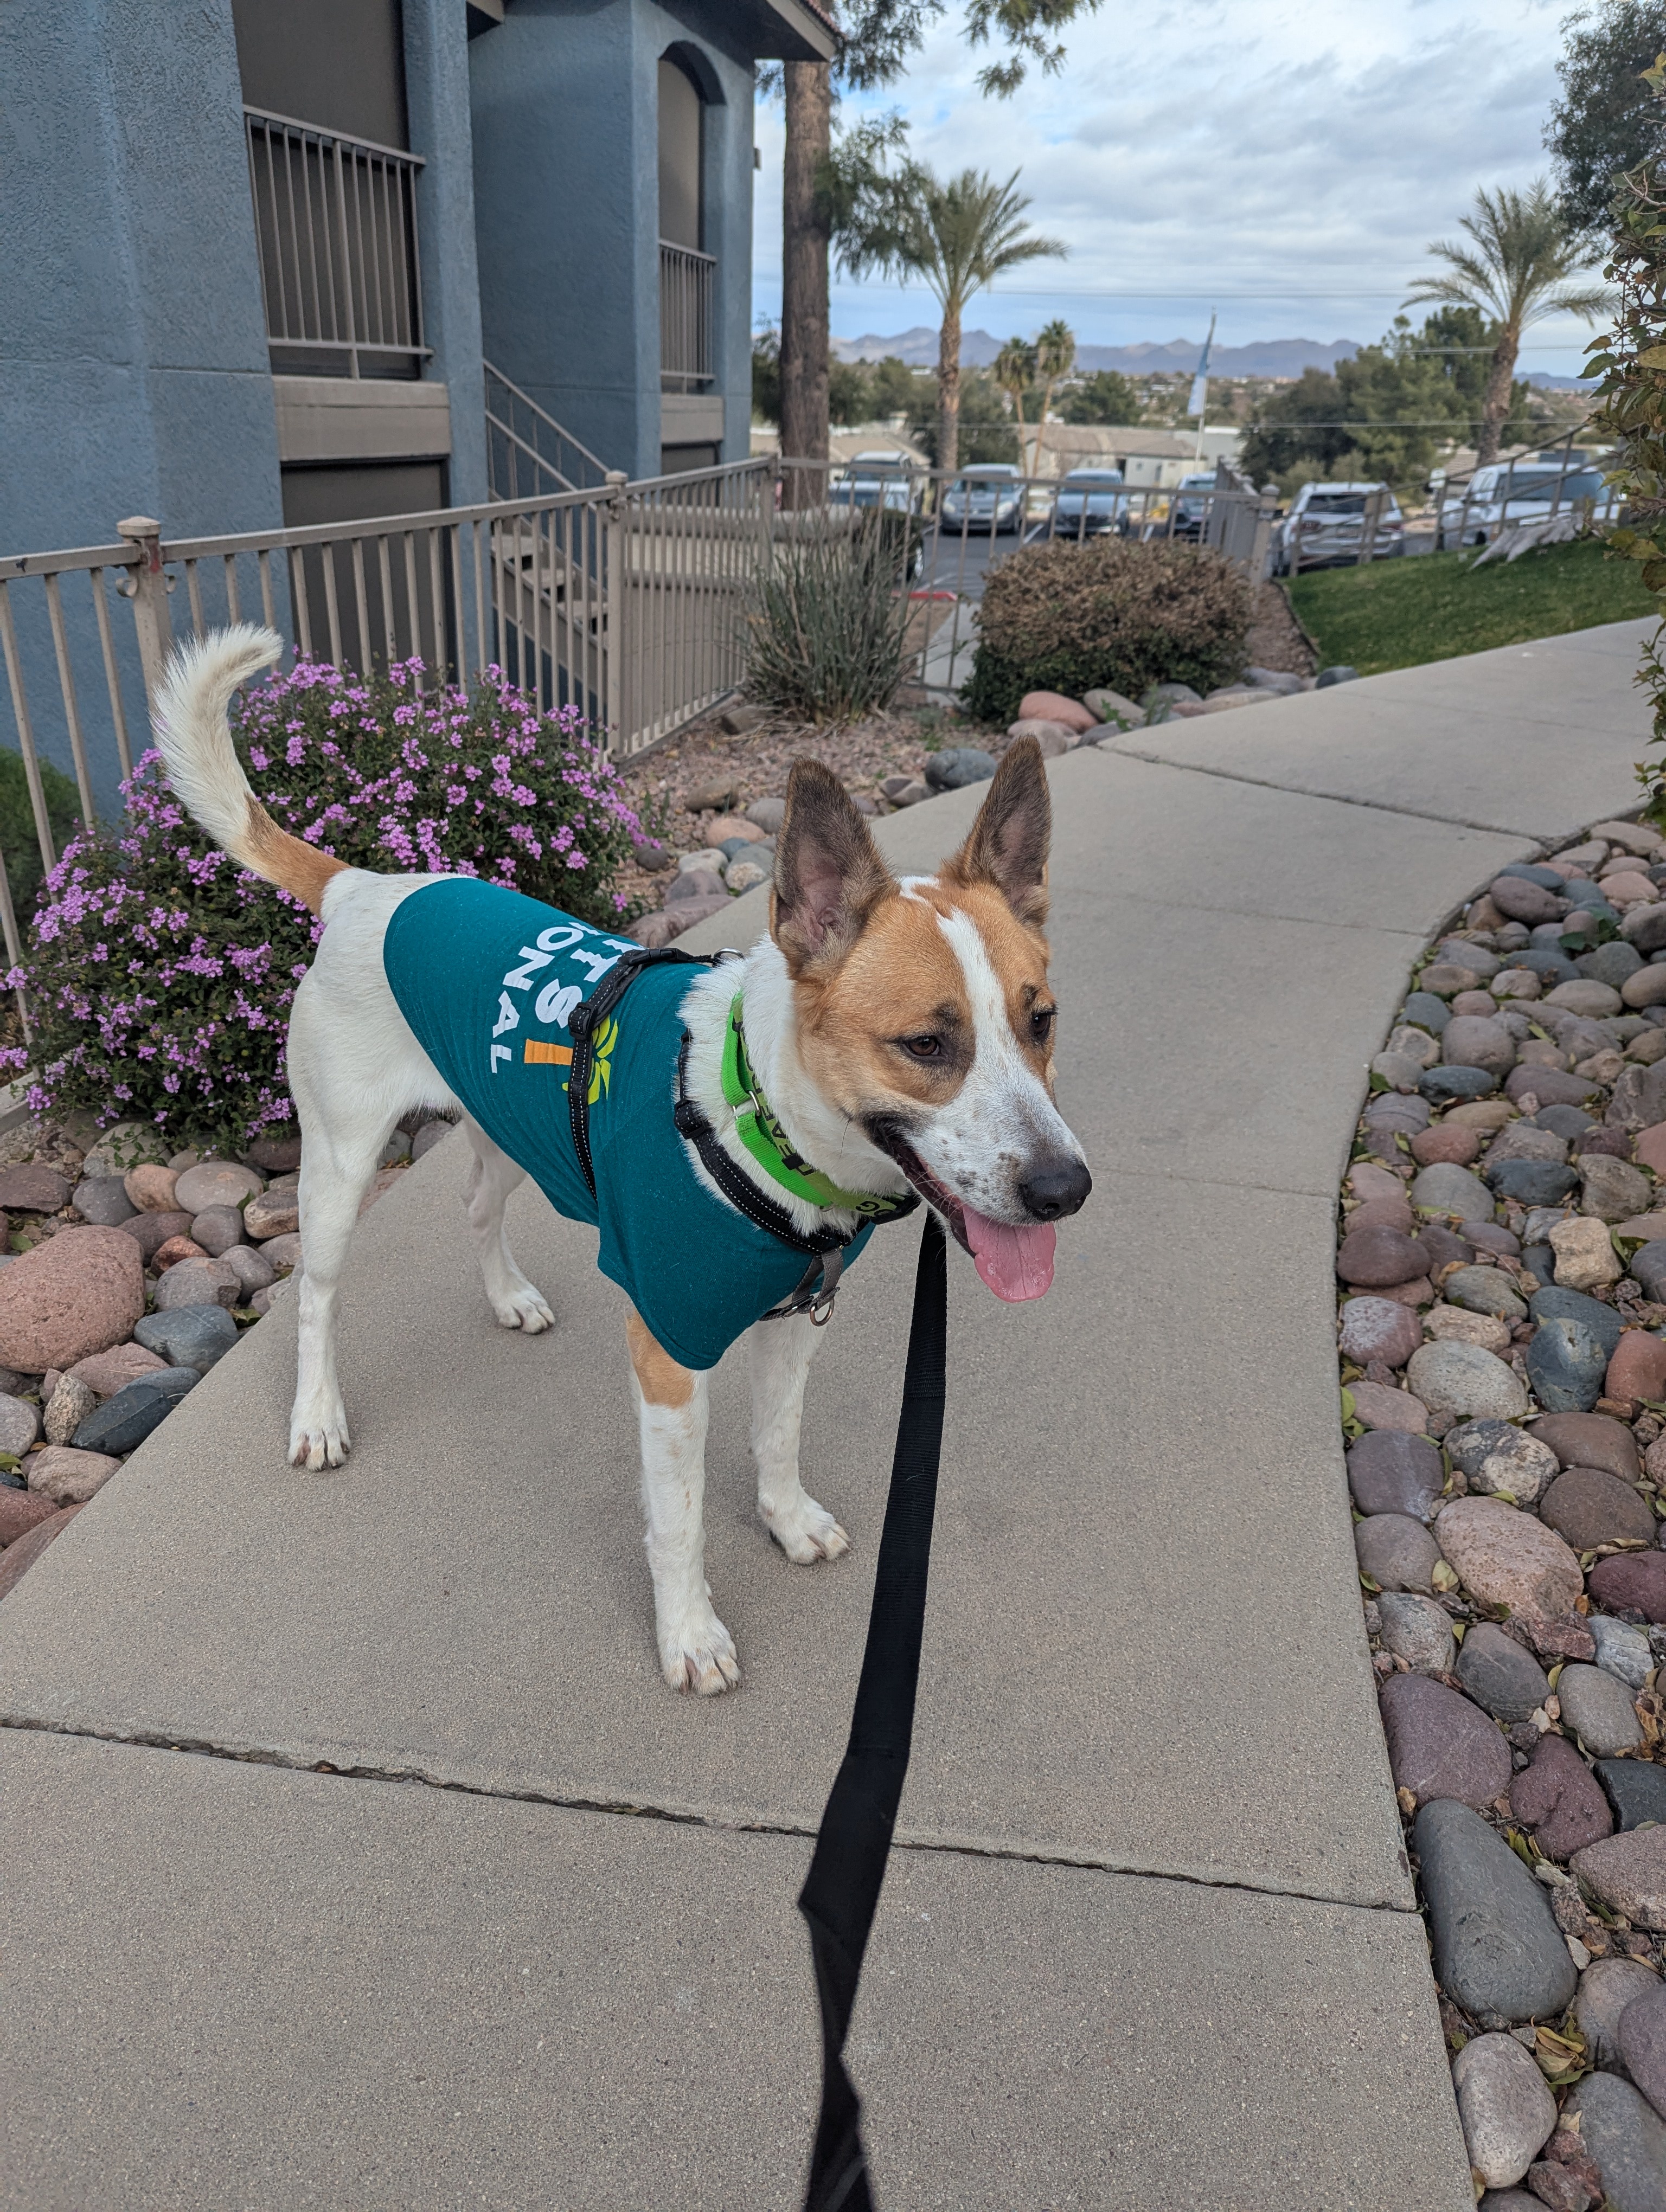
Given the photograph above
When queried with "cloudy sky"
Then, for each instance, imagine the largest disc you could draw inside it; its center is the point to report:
(1285, 162)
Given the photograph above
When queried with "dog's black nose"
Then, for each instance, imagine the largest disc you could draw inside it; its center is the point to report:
(1050, 1192)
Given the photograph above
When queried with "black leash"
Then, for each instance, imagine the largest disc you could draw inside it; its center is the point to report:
(842, 1891)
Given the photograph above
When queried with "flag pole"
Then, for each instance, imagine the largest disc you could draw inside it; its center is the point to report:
(1199, 399)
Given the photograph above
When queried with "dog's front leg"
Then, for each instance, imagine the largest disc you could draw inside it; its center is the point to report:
(696, 1651)
(778, 1353)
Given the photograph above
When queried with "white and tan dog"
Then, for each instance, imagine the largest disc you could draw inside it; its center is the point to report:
(903, 1032)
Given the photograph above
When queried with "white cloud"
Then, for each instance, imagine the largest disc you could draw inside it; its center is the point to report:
(1287, 161)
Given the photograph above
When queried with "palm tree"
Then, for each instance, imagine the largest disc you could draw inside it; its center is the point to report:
(1516, 272)
(1055, 356)
(1014, 372)
(955, 233)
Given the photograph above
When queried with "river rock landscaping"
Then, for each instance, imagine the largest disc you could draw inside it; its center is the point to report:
(125, 1278)
(1502, 1270)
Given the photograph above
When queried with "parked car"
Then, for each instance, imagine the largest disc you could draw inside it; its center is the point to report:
(876, 480)
(1513, 491)
(988, 497)
(1326, 524)
(1090, 503)
(1191, 514)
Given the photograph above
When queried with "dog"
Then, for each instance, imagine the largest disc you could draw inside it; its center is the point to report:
(888, 1042)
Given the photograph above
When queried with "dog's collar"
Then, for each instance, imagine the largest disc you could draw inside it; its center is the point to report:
(759, 1129)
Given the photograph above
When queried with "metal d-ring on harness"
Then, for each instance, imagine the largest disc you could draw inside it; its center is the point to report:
(841, 1892)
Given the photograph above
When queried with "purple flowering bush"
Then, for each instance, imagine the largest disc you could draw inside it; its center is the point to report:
(160, 974)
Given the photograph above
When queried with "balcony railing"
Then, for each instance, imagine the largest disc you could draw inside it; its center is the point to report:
(336, 219)
(686, 288)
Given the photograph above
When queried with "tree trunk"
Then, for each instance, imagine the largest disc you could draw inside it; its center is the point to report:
(1495, 402)
(805, 236)
(948, 387)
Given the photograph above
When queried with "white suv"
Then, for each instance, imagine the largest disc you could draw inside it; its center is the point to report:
(1327, 522)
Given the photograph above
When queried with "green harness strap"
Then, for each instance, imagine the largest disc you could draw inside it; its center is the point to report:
(759, 1130)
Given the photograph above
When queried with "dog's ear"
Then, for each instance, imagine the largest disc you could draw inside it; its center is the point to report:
(1007, 847)
(829, 875)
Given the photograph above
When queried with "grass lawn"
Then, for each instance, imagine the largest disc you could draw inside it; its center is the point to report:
(1399, 614)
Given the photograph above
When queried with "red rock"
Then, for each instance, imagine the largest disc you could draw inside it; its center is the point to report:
(1440, 1745)
(17, 1559)
(1521, 901)
(1633, 1580)
(1637, 1369)
(1367, 1181)
(1558, 1794)
(20, 1511)
(68, 1476)
(1383, 1214)
(1380, 1407)
(150, 1231)
(150, 1189)
(1054, 706)
(1590, 1440)
(1441, 1142)
(1588, 1506)
(1379, 1328)
(176, 1248)
(33, 1189)
(1418, 1293)
(80, 1292)
(105, 1373)
(1648, 1148)
(1373, 1259)
(1551, 1086)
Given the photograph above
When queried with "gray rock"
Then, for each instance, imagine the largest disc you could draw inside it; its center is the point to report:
(1599, 1711)
(1557, 1302)
(1485, 1290)
(1606, 1988)
(1339, 674)
(1423, 1010)
(1525, 1140)
(1439, 1745)
(694, 884)
(217, 1228)
(1462, 1380)
(1392, 1473)
(1418, 1631)
(1533, 1182)
(1505, 2106)
(253, 1270)
(122, 1422)
(1378, 1328)
(1466, 953)
(1566, 1121)
(1610, 963)
(1636, 1789)
(1566, 1365)
(1445, 1086)
(1499, 1952)
(19, 1424)
(1621, 1651)
(1611, 1189)
(768, 815)
(1397, 1552)
(103, 1199)
(197, 1283)
(1648, 1266)
(1637, 1100)
(430, 1134)
(1495, 1456)
(1479, 1040)
(1504, 1680)
(956, 766)
(189, 1336)
(1447, 1188)
(1626, 2137)
(71, 1402)
(1408, 1114)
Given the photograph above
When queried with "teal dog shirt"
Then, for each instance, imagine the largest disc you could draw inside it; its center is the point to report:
(488, 981)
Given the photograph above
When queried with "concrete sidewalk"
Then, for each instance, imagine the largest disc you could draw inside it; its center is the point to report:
(1151, 1938)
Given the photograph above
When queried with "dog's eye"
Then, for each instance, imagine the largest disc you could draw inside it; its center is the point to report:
(1040, 1022)
(923, 1047)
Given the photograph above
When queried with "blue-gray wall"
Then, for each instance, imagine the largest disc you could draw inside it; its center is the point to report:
(566, 197)
(437, 100)
(133, 372)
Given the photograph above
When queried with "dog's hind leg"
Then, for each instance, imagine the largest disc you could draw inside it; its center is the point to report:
(337, 1166)
(778, 1354)
(696, 1652)
(492, 1176)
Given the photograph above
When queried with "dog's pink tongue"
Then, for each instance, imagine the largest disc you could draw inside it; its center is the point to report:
(1016, 1263)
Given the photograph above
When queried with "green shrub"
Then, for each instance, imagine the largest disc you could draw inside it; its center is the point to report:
(24, 866)
(1072, 618)
(827, 630)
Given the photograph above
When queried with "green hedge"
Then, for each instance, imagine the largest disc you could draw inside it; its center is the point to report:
(1072, 618)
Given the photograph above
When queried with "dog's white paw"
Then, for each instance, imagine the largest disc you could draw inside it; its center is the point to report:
(318, 1437)
(697, 1653)
(806, 1532)
(524, 1309)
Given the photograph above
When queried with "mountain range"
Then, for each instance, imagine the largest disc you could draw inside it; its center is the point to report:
(1270, 357)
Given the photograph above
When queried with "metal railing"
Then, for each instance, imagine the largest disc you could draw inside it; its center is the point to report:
(336, 220)
(1463, 520)
(527, 451)
(687, 288)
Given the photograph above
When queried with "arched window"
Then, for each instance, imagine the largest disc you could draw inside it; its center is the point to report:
(681, 117)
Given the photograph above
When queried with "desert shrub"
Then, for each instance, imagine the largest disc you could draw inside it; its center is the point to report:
(159, 974)
(1072, 617)
(18, 842)
(827, 628)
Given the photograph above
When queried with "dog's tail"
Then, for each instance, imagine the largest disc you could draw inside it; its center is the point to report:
(195, 742)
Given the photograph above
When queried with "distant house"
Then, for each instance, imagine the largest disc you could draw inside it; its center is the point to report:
(263, 259)
(1144, 456)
